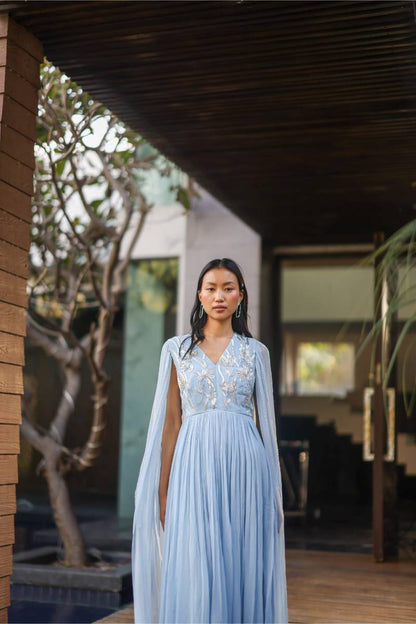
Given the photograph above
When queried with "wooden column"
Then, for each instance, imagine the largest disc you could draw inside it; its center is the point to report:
(385, 515)
(20, 55)
(270, 318)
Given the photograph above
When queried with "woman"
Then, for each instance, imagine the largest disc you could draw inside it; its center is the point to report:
(208, 528)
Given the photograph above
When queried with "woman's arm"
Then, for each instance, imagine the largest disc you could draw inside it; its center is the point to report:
(172, 424)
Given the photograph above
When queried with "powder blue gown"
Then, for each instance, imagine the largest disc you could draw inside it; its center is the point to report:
(221, 556)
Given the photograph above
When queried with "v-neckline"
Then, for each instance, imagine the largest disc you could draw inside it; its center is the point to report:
(222, 354)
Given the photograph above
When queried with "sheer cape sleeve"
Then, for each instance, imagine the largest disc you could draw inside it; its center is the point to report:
(148, 534)
(147, 537)
(266, 415)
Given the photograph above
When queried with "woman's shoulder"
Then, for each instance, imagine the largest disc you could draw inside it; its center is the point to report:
(178, 337)
(258, 346)
(176, 341)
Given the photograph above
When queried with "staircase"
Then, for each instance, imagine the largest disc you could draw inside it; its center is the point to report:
(339, 482)
(348, 420)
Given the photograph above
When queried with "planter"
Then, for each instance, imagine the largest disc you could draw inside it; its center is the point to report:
(38, 577)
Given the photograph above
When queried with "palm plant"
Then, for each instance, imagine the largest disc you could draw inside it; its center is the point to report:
(395, 292)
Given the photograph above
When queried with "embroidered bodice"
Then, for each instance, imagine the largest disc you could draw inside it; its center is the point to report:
(211, 389)
(227, 385)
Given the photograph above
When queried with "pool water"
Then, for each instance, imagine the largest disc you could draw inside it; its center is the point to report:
(22, 612)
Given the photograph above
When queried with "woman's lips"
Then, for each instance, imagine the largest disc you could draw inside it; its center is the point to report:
(219, 308)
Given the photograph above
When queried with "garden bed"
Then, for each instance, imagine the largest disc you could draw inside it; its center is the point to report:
(39, 576)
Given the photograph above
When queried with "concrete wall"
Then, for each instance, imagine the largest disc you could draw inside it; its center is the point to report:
(212, 231)
(163, 234)
(338, 293)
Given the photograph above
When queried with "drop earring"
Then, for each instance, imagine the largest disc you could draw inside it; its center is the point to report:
(201, 311)
(238, 311)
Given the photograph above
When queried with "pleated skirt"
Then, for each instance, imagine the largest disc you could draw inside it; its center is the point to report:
(220, 539)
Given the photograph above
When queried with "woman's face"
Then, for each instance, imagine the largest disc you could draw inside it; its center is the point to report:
(220, 293)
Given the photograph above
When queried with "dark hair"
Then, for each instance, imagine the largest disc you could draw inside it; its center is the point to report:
(239, 324)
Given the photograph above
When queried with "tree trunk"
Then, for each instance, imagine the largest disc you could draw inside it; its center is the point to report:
(66, 522)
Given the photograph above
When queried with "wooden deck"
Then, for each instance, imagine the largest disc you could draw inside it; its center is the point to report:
(328, 587)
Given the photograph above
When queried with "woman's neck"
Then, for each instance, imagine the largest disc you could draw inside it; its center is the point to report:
(218, 330)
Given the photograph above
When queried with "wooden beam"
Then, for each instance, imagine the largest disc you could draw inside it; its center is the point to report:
(7, 502)
(22, 38)
(19, 90)
(14, 230)
(11, 349)
(8, 469)
(19, 61)
(16, 145)
(11, 379)
(9, 440)
(13, 289)
(13, 259)
(5, 592)
(16, 173)
(10, 409)
(6, 530)
(16, 116)
(6, 565)
(15, 202)
(12, 319)
(6, 553)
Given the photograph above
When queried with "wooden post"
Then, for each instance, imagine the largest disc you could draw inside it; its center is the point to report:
(270, 319)
(385, 522)
(277, 345)
(20, 55)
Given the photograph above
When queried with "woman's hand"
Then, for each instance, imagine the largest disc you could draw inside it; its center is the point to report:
(162, 506)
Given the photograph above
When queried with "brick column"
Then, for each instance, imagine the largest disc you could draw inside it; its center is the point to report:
(20, 55)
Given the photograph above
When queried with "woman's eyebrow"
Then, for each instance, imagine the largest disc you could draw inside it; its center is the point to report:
(214, 283)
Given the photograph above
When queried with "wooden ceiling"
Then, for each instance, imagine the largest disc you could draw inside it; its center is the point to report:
(299, 116)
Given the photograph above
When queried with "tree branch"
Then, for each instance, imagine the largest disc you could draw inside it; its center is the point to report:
(37, 334)
(96, 220)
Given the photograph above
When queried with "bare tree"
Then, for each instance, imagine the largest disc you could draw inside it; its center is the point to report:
(88, 213)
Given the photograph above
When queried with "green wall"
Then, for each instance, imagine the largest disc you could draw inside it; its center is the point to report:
(150, 318)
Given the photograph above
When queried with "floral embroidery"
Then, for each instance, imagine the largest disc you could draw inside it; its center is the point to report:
(229, 389)
(227, 358)
(227, 385)
(205, 386)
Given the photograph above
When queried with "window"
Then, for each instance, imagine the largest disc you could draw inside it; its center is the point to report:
(324, 368)
(324, 304)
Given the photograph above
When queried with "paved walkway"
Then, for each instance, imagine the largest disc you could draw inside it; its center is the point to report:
(338, 587)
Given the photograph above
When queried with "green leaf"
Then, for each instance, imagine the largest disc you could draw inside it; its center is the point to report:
(95, 204)
(60, 166)
(182, 197)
